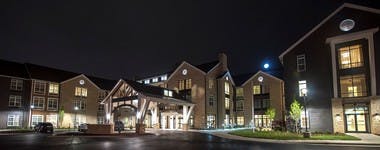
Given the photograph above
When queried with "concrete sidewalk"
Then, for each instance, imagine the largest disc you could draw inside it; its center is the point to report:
(367, 139)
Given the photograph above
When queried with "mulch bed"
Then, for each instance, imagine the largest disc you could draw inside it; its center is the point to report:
(115, 134)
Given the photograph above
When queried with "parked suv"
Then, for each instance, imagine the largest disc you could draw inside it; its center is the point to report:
(44, 127)
(82, 127)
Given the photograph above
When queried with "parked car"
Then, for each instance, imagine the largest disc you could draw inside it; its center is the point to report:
(83, 127)
(37, 127)
(119, 126)
(44, 127)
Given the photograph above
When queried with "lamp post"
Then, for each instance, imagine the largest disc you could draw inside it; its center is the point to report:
(307, 133)
(30, 114)
(75, 118)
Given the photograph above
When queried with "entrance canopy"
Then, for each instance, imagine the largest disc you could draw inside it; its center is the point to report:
(143, 97)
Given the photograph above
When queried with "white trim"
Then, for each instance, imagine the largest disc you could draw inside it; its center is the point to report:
(113, 90)
(81, 75)
(262, 72)
(345, 5)
(367, 34)
(229, 76)
(14, 77)
(183, 63)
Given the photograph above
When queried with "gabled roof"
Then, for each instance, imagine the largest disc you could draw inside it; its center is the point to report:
(102, 83)
(345, 5)
(48, 74)
(13, 69)
(243, 79)
(206, 67)
(224, 74)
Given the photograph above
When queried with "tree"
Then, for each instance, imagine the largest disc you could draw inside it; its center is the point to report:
(61, 115)
(271, 113)
(295, 112)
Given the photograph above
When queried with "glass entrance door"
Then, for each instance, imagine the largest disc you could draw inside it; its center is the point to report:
(356, 116)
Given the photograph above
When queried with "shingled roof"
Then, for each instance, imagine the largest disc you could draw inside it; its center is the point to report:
(13, 69)
(206, 67)
(150, 90)
(48, 74)
(105, 84)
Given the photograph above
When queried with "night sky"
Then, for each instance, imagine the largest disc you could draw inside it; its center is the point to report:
(127, 38)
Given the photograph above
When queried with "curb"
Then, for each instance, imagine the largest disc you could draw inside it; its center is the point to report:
(234, 137)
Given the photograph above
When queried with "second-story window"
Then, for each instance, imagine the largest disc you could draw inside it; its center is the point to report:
(80, 104)
(302, 86)
(39, 87)
(350, 56)
(184, 84)
(239, 105)
(80, 91)
(227, 103)
(53, 88)
(16, 84)
(210, 83)
(353, 86)
(52, 104)
(211, 100)
(155, 79)
(101, 108)
(38, 102)
(14, 101)
(301, 63)
(226, 88)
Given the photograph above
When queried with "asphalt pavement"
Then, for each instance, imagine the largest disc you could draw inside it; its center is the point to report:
(164, 140)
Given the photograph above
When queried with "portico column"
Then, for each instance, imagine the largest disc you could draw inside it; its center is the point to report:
(143, 104)
(186, 116)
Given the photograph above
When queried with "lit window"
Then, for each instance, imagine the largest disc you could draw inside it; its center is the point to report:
(79, 91)
(146, 81)
(164, 78)
(353, 86)
(262, 121)
(301, 63)
(226, 88)
(38, 102)
(210, 83)
(100, 120)
(256, 89)
(350, 56)
(184, 84)
(302, 86)
(16, 84)
(240, 120)
(239, 92)
(14, 101)
(52, 104)
(211, 121)
(39, 86)
(53, 88)
(168, 93)
(36, 119)
(13, 120)
(155, 79)
(171, 93)
(227, 103)
(52, 119)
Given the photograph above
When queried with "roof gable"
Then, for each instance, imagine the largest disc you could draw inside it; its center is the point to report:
(258, 73)
(183, 64)
(345, 5)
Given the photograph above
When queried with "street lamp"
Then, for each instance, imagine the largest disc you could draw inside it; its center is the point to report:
(304, 94)
(30, 114)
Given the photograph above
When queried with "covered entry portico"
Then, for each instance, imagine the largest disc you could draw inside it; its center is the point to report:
(144, 98)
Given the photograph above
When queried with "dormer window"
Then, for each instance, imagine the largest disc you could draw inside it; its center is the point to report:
(168, 93)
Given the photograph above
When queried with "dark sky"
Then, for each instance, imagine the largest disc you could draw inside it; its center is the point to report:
(127, 38)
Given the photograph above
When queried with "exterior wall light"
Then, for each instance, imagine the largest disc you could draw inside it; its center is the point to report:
(338, 117)
(377, 116)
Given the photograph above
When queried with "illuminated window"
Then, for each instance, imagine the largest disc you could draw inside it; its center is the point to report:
(13, 120)
(16, 84)
(53, 88)
(52, 104)
(301, 86)
(52, 119)
(350, 56)
(239, 92)
(184, 84)
(211, 121)
(210, 83)
(79, 91)
(301, 63)
(38, 102)
(168, 93)
(226, 88)
(240, 120)
(14, 101)
(256, 89)
(146, 81)
(164, 78)
(39, 86)
(37, 119)
(155, 79)
(353, 86)
(227, 103)
(262, 121)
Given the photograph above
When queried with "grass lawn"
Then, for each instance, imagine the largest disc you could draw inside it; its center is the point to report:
(290, 136)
